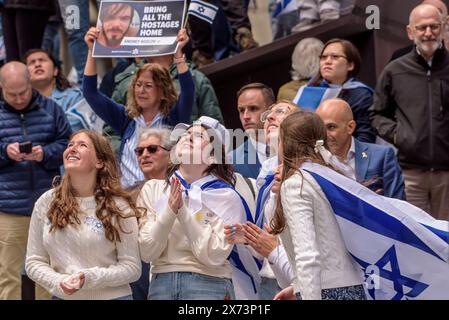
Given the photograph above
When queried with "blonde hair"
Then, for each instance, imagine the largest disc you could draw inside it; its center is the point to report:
(162, 134)
(305, 58)
(162, 80)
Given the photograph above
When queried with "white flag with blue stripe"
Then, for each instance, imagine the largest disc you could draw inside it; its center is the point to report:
(84, 113)
(203, 10)
(284, 6)
(402, 251)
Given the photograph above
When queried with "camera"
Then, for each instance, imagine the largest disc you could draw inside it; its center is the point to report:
(25, 147)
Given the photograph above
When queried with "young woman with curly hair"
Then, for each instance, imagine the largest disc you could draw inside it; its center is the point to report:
(83, 234)
(152, 103)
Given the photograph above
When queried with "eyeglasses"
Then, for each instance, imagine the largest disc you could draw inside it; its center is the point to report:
(152, 148)
(433, 27)
(277, 112)
(333, 57)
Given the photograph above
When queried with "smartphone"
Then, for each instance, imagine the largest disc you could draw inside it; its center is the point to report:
(25, 147)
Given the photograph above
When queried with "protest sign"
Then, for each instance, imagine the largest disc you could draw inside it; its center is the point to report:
(138, 28)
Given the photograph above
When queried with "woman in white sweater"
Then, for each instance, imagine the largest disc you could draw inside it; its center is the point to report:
(306, 222)
(83, 234)
(182, 234)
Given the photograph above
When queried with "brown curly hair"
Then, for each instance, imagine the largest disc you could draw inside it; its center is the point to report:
(64, 208)
(298, 135)
(162, 80)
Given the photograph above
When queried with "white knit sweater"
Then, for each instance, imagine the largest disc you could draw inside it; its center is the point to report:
(182, 242)
(312, 239)
(108, 266)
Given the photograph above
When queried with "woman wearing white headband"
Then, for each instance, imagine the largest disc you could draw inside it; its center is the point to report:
(182, 236)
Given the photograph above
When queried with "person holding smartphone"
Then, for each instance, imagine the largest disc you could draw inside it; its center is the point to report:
(34, 132)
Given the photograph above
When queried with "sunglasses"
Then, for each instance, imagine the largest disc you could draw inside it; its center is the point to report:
(152, 148)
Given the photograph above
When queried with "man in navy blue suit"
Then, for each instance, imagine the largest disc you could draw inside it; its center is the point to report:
(252, 100)
(373, 165)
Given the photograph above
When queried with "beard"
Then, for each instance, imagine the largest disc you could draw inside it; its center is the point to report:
(115, 40)
(428, 46)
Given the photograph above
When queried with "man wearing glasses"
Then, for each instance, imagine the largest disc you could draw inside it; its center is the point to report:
(441, 6)
(411, 110)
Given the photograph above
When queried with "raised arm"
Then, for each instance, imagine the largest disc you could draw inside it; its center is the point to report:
(112, 113)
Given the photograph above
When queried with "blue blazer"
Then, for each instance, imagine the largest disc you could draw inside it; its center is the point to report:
(241, 158)
(373, 161)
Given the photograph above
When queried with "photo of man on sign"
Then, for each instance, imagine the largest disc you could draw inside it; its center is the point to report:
(138, 28)
(115, 23)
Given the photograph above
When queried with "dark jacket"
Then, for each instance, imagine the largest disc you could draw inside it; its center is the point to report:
(246, 161)
(378, 164)
(43, 123)
(411, 110)
(43, 5)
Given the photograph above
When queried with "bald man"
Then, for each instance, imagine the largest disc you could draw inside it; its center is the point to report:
(411, 111)
(441, 6)
(373, 165)
(34, 132)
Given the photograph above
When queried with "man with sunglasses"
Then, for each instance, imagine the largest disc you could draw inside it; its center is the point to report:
(411, 110)
(153, 153)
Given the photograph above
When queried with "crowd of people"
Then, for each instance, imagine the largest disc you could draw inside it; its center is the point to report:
(135, 189)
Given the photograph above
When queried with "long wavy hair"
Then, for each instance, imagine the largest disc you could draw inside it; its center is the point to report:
(64, 209)
(298, 135)
(162, 80)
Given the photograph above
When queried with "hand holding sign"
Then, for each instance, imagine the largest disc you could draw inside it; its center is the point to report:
(182, 39)
(91, 36)
(139, 28)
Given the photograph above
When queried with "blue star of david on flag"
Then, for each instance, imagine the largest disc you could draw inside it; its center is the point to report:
(402, 252)
(389, 259)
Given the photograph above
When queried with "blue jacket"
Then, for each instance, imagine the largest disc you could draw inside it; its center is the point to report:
(241, 158)
(375, 161)
(43, 123)
(116, 116)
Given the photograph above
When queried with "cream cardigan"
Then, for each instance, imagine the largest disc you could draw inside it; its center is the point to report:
(312, 239)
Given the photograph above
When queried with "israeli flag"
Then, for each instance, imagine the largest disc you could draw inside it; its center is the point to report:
(84, 113)
(215, 194)
(284, 6)
(310, 97)
(402, 251)
(203, 10)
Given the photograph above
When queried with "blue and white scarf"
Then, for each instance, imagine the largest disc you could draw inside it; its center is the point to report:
(309, 97)
(214, 194)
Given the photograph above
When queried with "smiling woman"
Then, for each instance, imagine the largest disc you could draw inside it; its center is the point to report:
(82, 241)
(340, 63)
(152, 103)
